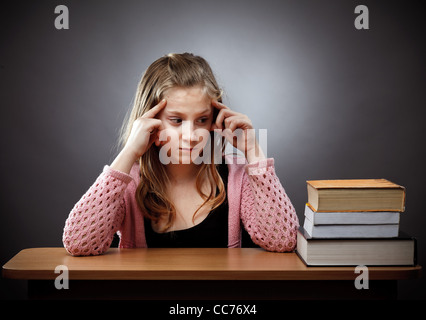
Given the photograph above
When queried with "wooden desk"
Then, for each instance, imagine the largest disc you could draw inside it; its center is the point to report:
(247, 273)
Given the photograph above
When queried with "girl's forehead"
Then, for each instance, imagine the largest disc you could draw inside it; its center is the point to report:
(187, 100)
(186, 93)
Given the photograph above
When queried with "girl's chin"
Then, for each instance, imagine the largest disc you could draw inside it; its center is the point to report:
(185, 159)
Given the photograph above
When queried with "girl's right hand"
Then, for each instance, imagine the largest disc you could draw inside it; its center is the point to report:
(144, 131)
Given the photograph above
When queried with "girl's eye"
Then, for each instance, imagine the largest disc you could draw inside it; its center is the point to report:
(178, 120)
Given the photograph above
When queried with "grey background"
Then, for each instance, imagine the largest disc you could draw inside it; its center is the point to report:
(337, 102)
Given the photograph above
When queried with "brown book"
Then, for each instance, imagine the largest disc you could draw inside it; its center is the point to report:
(355, 195)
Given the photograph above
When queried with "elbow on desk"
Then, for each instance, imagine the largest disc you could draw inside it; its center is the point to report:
(280, 246)
(276, 240)
(81, 238)
(78, 247)
(78, 251)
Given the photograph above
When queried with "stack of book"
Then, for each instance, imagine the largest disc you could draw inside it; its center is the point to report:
(354, 222)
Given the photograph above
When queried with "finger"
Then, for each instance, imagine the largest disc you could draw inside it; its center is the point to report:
(155, 135)
(154, 125)
(219, 105)
(238, 122)
(154, 110)
(229, 135)
(223, 113)
(157, 141)
(233, 122)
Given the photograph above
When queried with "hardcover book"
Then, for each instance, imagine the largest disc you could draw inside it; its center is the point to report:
(398, 251)
(351, 217)
(351, 230)
(356, 195)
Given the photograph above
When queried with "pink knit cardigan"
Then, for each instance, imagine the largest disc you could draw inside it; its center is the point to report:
(255, 197)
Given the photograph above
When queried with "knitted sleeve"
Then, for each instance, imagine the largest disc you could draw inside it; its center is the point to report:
(266, 211)
(96, 217)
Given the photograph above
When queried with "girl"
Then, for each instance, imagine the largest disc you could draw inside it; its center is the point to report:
(156, 193)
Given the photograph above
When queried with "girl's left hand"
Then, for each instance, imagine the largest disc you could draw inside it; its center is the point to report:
(243, 139)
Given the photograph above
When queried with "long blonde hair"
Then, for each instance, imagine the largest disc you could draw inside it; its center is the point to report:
(172, 70)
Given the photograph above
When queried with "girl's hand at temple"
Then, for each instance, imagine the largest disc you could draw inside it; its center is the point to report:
(144, 132)
(244, 139)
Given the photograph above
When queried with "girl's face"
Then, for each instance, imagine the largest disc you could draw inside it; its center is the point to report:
(187, 120)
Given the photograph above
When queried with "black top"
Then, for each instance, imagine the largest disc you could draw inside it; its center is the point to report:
(212, 232)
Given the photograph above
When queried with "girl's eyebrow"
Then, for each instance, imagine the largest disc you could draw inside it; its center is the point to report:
(175, 112)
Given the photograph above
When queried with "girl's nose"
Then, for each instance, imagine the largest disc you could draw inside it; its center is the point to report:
(188, 132)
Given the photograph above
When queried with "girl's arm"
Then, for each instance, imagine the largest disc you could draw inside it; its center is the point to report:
(96, 217)
(266, 211)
